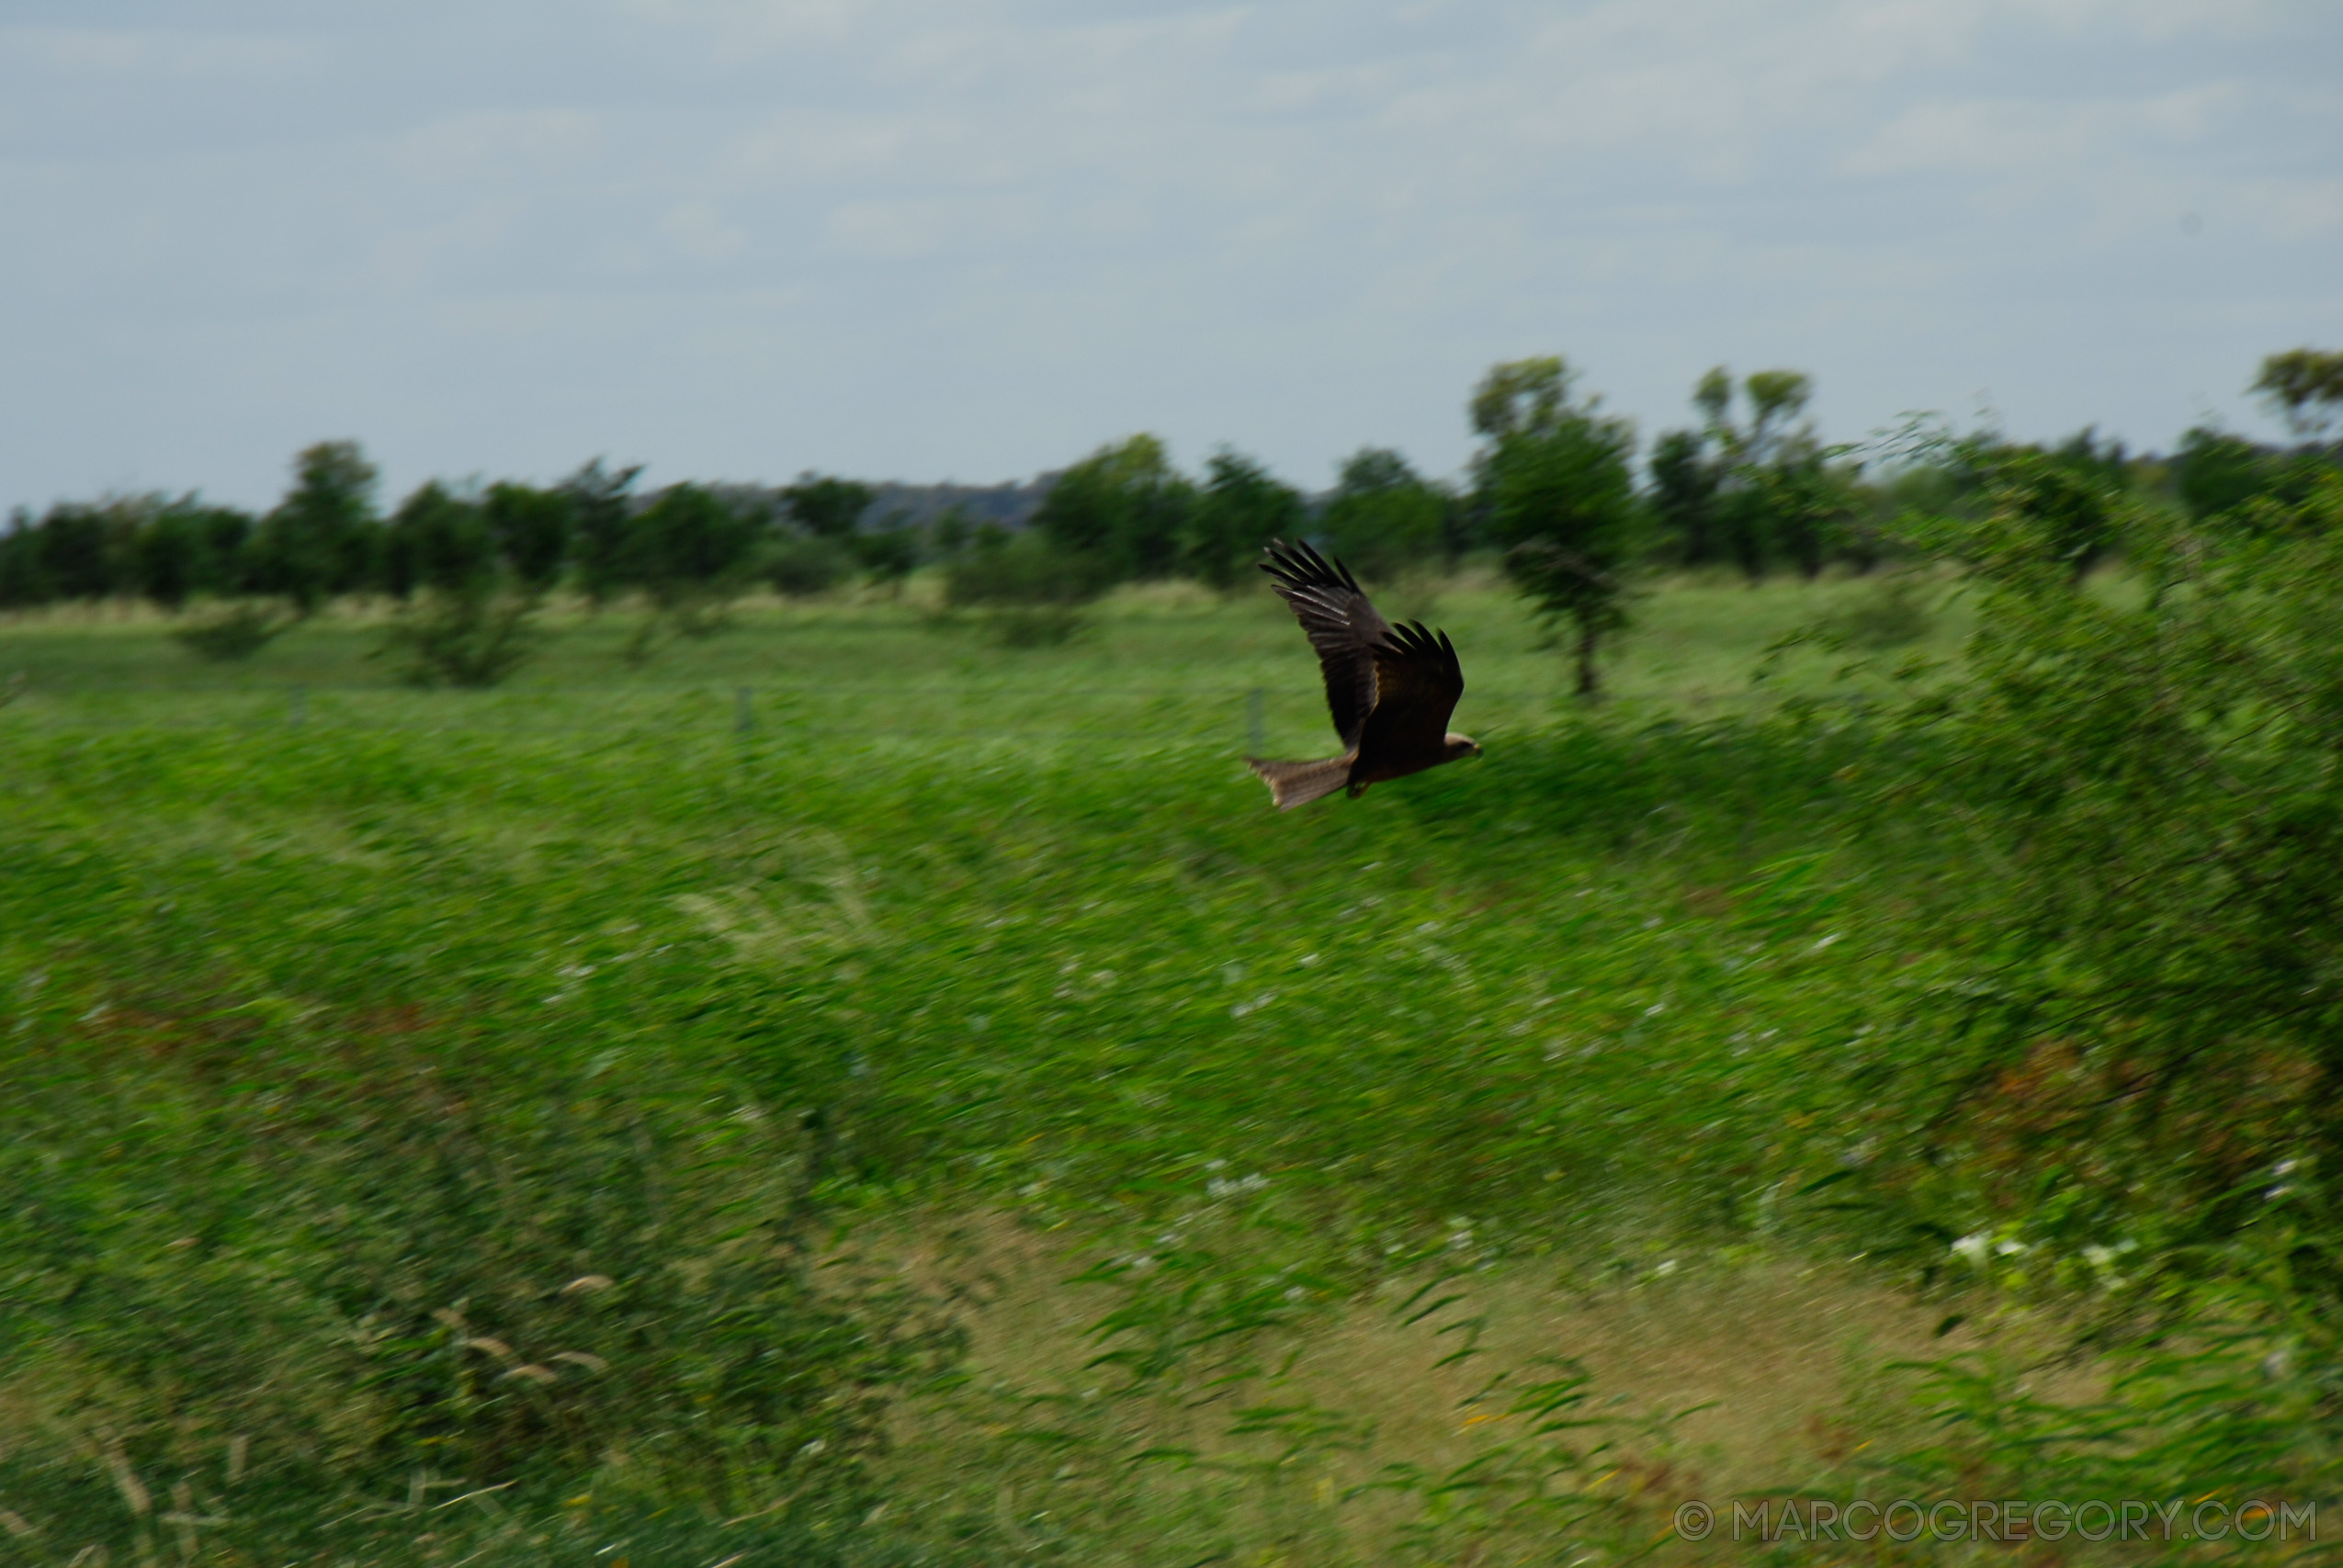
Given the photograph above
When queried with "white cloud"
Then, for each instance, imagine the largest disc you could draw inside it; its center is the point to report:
(701, 231)
(1297, 226)
(753, 25)
(499, 147)
(156, 54)
(2035, 138)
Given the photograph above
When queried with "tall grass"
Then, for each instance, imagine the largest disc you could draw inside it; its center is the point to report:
(508, 1136)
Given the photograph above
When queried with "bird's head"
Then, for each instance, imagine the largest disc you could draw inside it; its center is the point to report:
(1462, 746)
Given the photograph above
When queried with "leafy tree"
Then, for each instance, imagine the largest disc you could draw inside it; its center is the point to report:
(1806, 499)
(1773, 490)
(396, 571)
(79, 550)
(888, 554)
(2082, 512)
(76, 553)
(1775, 397)
(226, 531)
(2104, 462)
(1383, 516)
(1934, 482)
(1746, 501)
(438, 541)
(1521, 395)
(185, 548)
(22, 582)
(2219, 475)
(2214, 472)
(691, 541)
(124, 519)
(2072, 495)
(2305, 386)
(531, 530)
(1558, 489)
(2070, 506)
(188, 549)
(691, 552)
(826, 506)
(164, 560)
(321, 539)
(472, 608)
(2075, 492)
(601, 508)
(1683, 497)
(1242, 507)
(1123, 507)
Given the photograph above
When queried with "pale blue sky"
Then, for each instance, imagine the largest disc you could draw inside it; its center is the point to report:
(734, 239)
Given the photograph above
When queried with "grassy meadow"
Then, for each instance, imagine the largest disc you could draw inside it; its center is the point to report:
(951, 1118)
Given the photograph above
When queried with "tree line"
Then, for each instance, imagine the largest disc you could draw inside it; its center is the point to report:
(1560, 490)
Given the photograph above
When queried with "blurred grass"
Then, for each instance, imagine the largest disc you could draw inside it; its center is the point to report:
(342, 1047)
(1169, 659)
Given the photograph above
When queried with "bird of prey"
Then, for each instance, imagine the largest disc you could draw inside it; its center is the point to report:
(1390, 688)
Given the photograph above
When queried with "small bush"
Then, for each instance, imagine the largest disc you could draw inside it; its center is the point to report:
(464, 640)
(1025, 571)
(2149, 975)
(805, 567)
(680, 611)
(1033, 589)
(889, 555)
(237, 633)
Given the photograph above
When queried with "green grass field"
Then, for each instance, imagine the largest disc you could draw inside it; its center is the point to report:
(954, 1119)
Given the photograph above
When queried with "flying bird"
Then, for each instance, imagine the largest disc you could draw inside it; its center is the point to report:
(1390, 688)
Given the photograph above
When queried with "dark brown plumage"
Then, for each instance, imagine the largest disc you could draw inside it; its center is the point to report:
(1391, 689)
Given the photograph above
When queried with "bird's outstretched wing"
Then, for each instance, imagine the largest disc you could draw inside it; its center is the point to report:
(1417, 681)
(1343, 626)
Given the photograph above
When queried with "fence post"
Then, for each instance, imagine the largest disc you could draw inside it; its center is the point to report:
(743, 720)
(1256, 727)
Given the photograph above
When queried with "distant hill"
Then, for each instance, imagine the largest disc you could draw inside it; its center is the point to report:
(1010, 503)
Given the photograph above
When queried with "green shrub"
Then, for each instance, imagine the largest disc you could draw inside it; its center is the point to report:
(1033, 590)
(463, 638)
(236, 632)
(2137, 1024)
(691, 552)
(1023, 570)
(807, 565)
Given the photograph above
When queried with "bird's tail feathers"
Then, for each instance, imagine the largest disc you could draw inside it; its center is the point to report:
(1298, 783)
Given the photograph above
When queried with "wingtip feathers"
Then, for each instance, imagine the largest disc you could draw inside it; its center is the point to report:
(1299, 566)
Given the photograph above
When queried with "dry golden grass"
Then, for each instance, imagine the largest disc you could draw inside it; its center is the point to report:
(1716, 1379)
